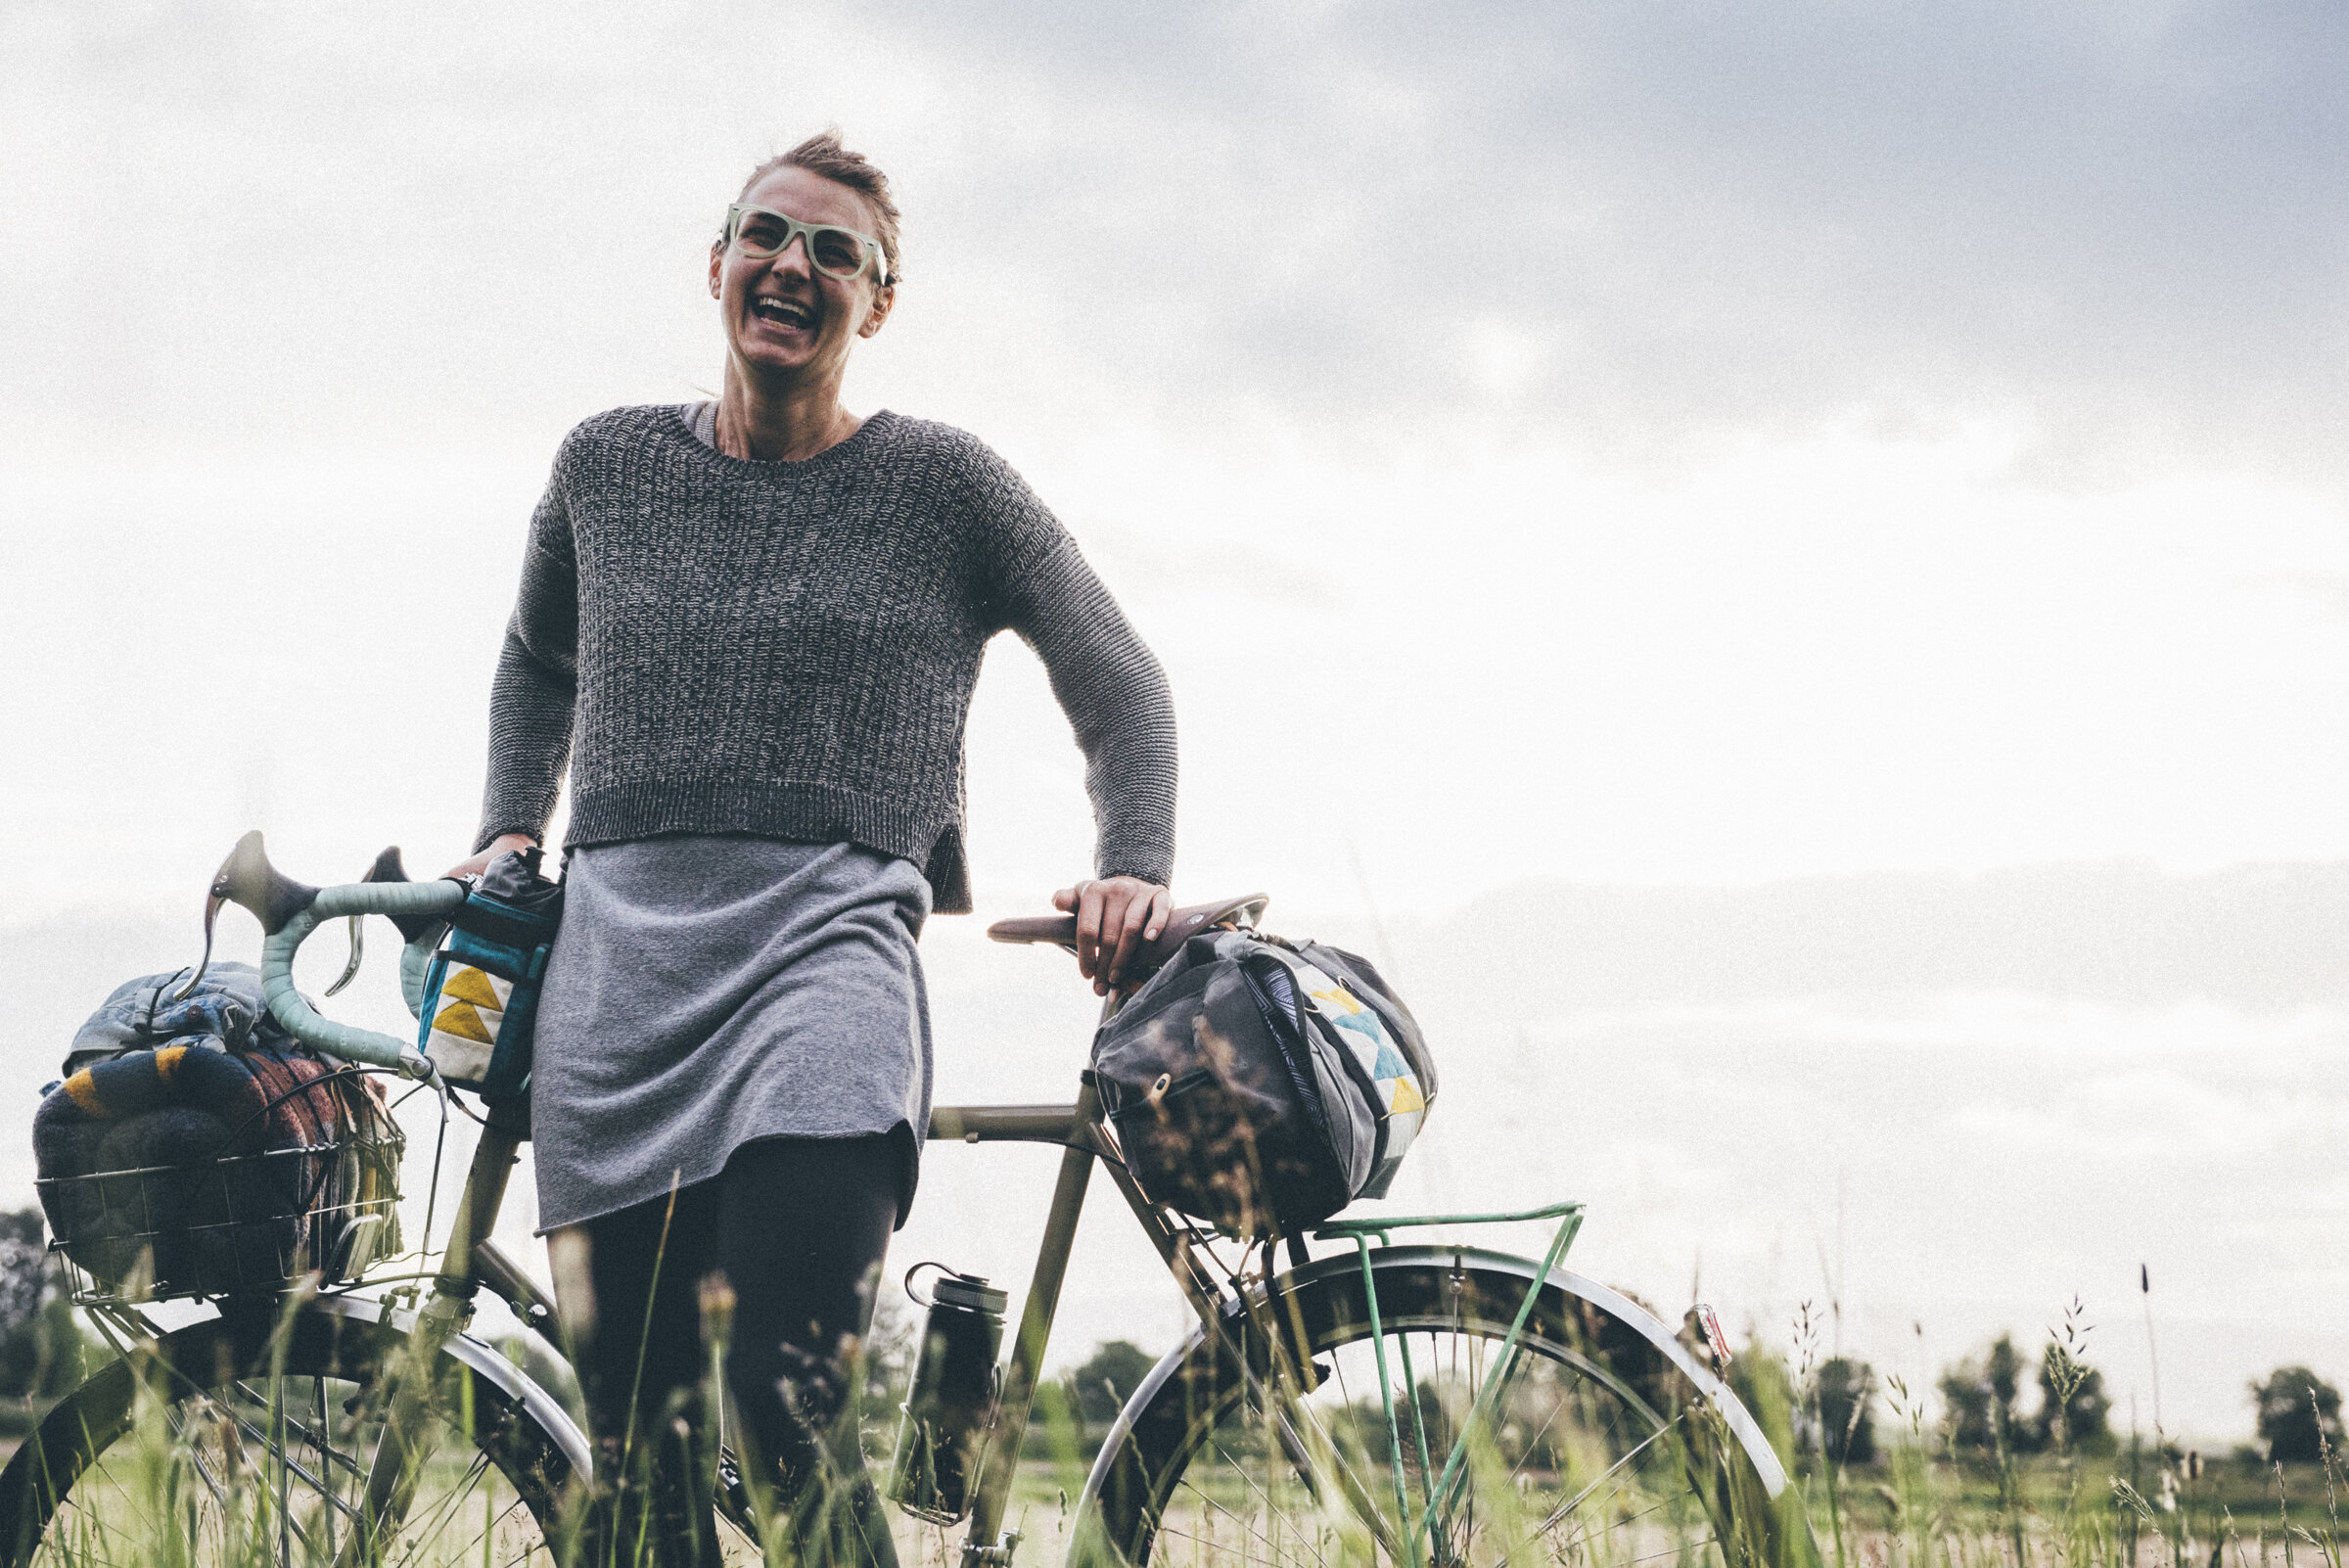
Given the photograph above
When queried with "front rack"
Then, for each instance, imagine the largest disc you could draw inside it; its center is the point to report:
(240, 1226)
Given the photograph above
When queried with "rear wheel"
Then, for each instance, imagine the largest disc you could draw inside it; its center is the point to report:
(1592, 1445)
(248, 1439)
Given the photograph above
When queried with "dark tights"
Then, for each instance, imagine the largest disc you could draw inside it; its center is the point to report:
(793, 1231)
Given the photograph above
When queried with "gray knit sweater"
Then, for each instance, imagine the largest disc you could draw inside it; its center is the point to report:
(789, 649)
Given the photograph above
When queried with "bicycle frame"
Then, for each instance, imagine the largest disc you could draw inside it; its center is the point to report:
(1077, 1129)
(471, 1262)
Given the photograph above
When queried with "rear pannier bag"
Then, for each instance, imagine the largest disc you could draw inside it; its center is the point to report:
(1262, 1085)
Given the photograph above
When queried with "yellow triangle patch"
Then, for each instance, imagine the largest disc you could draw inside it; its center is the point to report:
(1407, 1098)
(472, 986)
(463, 1020)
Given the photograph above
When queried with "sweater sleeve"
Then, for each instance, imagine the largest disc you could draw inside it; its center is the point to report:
(1107, 681)
(535, 691)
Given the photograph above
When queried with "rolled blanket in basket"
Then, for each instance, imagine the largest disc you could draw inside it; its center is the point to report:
(196, 1155)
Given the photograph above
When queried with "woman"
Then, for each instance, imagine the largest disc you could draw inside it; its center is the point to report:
(751, 630)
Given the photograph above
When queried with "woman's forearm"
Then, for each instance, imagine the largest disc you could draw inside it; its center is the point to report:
(1116, 696)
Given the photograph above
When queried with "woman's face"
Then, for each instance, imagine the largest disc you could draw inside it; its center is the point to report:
(784, 318)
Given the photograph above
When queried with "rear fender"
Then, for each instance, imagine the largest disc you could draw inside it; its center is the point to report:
(1717, 1394)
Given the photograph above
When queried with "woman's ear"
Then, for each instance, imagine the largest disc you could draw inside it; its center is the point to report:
(883, 298)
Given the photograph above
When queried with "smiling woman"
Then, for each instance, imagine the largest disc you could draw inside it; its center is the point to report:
(796, 291)
(748, 634)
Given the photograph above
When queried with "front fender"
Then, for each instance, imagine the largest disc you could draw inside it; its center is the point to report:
(488, 1363)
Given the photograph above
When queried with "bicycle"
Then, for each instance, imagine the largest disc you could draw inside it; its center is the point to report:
(1430, 1404)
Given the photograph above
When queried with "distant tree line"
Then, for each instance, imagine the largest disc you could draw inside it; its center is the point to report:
(1999, 1401)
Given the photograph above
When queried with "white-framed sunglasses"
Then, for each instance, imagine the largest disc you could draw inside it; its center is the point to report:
(763, 233)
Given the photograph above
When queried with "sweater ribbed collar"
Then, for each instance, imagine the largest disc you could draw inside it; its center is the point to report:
(696, 424)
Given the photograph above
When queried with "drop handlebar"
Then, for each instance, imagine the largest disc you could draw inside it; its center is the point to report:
(290, 911)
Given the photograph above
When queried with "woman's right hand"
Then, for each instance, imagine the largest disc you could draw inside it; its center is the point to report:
(480, 862)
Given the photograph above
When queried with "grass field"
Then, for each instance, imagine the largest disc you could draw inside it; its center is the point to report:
(189, 1489)
(1910, 1508)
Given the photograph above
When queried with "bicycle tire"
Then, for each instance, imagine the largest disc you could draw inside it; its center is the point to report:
(255, 1424)
(1654, 1457)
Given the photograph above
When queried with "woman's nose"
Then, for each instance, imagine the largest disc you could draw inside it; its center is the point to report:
(792, 260)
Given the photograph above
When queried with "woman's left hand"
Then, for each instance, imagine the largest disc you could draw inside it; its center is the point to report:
(1115, 915)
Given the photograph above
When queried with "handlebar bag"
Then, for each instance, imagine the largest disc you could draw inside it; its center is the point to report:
(1261, 1085)
(481, 993)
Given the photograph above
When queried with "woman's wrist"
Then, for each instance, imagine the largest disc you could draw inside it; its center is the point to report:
(507, 841)
(479, 861)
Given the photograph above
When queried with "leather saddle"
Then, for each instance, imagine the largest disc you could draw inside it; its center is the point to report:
(1060, 931)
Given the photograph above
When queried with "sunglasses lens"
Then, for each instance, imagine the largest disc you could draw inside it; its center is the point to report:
(837, 252)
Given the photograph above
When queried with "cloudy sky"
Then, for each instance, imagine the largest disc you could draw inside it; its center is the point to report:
(1785, 563)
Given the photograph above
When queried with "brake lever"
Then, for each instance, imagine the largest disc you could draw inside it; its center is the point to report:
(386, 869)
(248, 878)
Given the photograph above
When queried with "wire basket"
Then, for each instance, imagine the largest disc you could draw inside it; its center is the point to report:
(240, 1226)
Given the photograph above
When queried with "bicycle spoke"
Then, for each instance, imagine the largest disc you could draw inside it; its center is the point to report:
(1534, 1446)
(1583, 1496)
(333, 1491)
(308, 1434)
(1544, 1527)
(1272, 1509)
(492, 1517)
(315, 1485)
(455, 1500)
(1228, 1515)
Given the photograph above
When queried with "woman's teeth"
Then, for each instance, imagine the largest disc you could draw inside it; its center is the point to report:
(784, 311)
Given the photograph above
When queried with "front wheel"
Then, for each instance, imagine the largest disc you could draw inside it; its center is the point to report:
(250, 1439)
(1599, 1442)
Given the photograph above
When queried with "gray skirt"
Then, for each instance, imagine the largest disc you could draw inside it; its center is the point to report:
(706, 992)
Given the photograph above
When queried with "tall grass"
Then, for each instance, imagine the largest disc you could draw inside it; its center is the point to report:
(185, 1490)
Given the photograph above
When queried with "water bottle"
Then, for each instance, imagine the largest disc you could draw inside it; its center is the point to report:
(950, 1405)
